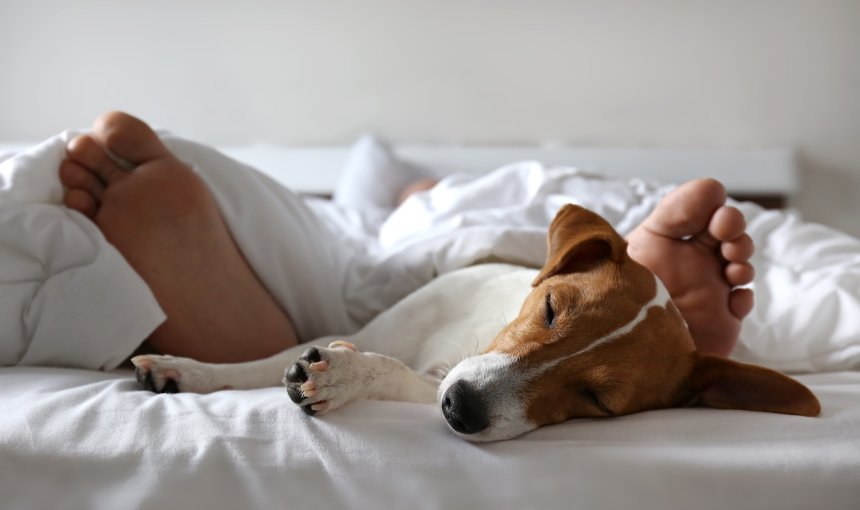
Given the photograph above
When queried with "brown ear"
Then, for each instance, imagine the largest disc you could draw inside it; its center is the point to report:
(725, 384)
(578, 239)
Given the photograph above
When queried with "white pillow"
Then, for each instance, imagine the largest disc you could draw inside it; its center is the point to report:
(373, 176)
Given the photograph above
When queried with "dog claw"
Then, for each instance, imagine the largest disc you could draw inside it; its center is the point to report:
(319, 366)
(320, 406)
(308, 388)
(344, 344)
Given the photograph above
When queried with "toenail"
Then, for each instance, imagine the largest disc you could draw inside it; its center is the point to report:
(344, 344)
(319, 366)
(320, 406)
(142, 362)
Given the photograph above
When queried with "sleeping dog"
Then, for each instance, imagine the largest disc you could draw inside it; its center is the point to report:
(597, 335)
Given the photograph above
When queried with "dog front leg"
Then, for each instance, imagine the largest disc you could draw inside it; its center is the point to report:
(323, 379)
(170, 374)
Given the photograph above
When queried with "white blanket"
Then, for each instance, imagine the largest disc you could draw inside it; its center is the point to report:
(82, 439)
(68, 298)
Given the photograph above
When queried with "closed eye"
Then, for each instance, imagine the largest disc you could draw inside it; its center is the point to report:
(549, 313)
(594, 399)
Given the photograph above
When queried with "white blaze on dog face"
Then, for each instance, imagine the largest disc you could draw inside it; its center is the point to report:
(502, 389)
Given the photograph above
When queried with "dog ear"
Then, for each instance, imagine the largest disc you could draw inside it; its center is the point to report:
(725, 384)
(578, 239)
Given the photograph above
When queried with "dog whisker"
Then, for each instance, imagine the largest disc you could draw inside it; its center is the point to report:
(462, 349)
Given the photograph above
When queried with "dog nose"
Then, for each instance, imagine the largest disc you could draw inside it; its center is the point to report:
(463, 409)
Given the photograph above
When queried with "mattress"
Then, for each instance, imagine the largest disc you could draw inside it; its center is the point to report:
(78, 439)
(72, 438)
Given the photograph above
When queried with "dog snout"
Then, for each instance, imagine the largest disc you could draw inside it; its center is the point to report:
(463, 409)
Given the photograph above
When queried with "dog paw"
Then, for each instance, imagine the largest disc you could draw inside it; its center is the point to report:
(168, 374)
(323, 379)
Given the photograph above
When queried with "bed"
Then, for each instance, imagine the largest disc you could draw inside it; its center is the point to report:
(74, 438)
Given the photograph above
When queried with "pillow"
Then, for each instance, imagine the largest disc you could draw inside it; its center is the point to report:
(373, 176)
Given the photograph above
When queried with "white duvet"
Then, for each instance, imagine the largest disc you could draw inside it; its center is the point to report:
(72, 438)
(68, 298)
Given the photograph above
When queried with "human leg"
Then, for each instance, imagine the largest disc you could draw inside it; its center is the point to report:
(162, 217)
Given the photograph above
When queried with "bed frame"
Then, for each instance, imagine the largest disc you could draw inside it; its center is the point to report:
(766, 176)
(769, 177)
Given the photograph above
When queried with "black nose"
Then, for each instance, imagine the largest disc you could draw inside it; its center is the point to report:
(463, 409)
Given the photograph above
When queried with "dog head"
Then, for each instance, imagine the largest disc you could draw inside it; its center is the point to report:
(599, 336)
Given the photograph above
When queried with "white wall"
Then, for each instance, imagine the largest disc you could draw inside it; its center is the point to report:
(629, 73)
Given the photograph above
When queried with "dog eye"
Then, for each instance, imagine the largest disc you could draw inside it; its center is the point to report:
(549, 314)
(592, 397)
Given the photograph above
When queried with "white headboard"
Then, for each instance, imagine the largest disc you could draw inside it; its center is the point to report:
(759, 172)
(754, 173)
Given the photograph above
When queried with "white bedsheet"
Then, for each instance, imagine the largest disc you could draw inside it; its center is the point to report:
(84, 439)
(77, 439)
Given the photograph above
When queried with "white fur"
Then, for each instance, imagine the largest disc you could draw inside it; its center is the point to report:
(501, 387)
(442, 322)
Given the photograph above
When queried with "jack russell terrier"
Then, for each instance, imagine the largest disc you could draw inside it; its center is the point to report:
(597, 336)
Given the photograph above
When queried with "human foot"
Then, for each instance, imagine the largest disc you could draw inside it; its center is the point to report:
(416, 187)
(698, 247)
(161, 216)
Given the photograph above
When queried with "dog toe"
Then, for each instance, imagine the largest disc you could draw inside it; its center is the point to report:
(296, 374)
(170, 386)
(311, 355)
(295, 394)
(152, 375)
(144, 378)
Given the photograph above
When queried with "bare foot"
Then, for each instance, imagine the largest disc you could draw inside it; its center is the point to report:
(415, 187)
(161, 216)
(698, 247)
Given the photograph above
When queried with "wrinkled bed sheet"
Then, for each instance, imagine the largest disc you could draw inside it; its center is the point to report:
(75, 438)
(68, 298)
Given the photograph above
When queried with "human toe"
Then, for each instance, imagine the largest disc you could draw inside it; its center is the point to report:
(739, 273)
(727, 224)
(81, 201)
(128, 138)
(75, 176)
(88, 153)
(738, 250)
(741, 302)
(688, 209)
